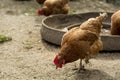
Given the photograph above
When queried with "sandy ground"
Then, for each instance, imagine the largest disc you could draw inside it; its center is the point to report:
(27, 57)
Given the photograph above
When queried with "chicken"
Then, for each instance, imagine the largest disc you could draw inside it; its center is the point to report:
(51, 7)
(40, 1)
(115, 23)
(80, 42)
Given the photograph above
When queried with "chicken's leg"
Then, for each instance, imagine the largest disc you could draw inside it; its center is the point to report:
(87, 60)
(81, 66)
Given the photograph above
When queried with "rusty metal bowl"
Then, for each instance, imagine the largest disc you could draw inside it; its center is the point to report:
(53, 28)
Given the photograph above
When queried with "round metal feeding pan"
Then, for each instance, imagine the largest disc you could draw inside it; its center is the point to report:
(53, 28)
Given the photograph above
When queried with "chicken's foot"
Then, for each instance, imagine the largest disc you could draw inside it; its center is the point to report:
(87, 60)
(75, 67)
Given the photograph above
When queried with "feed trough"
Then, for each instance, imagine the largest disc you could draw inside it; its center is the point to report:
(53, 28)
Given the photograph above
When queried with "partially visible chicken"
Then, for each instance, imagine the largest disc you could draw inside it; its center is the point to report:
(115, 23)
(51, 7)
(80, 42)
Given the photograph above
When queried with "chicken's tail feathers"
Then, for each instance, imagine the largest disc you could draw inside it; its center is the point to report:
(102, 16)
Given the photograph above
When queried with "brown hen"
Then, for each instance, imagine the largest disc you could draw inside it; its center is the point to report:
(51, 7)
(80, 42)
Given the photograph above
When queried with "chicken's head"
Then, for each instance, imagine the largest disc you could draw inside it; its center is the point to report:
(58, 62)
(46, 11)
(39, 12)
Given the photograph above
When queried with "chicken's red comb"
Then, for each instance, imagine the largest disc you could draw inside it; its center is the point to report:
(39, 12)
(56, 62)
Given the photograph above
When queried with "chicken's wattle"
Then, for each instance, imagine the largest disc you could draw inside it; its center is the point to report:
(56, 62)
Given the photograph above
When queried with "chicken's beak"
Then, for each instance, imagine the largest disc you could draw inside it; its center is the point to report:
(56, 67)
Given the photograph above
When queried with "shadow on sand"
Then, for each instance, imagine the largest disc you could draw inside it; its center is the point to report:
(93, 75)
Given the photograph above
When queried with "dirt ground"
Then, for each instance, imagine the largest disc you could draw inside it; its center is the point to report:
(28, 57)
